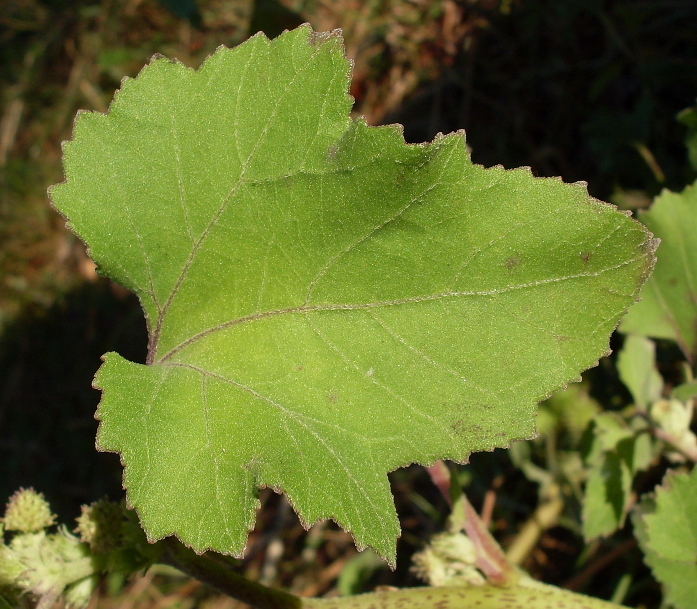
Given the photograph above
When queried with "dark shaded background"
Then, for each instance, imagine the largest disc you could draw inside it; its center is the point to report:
(585, 89)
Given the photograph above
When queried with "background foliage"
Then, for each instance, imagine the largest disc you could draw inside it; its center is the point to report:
(587, 90)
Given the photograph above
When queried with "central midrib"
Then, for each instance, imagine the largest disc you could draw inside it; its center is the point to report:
(379, 304)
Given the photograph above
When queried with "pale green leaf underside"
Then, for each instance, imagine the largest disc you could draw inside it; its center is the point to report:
(325, 303)
(668, 305)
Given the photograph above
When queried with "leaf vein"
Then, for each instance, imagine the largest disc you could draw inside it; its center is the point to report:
(292, 415)
(304, 309)
(216, 217)
(392, 332)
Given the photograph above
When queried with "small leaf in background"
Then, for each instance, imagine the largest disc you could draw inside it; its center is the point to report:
(668, 305)
(357, 572)
(325, 303)
(606, 431)
(636, 365)
(688, 117)
(569, 411)
(666, 528)
(685, 392)
(562, 422)
(614, 453)
(607, 495)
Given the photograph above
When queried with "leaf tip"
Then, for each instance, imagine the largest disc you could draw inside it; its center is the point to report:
(319, 38)
(157, 57)
(441, 137)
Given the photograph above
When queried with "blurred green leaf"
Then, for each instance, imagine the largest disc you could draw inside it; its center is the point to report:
(608, 488)
(615, 454)
(606, 430)
(637, 369)
(668, 305)
(570, 410)
(688, 117)
(685, 392)
(666, 528)
(357, 572)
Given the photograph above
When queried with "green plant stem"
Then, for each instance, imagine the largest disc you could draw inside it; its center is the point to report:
(526, 595)
(580, 580)
(222, 578)
(545, 517)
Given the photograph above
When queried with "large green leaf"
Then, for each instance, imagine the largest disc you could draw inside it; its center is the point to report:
(325, 302)
(668, 305)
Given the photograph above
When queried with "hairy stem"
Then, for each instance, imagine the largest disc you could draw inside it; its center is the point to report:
(523, 595)
(222, 578)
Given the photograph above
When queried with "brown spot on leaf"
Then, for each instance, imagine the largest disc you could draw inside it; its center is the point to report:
(460, 428)
(513, 262)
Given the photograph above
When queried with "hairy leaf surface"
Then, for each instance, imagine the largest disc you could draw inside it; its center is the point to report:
(667, 532)
(325, 303)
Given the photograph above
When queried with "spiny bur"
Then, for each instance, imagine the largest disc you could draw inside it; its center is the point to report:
(28, 512)
(101, 525)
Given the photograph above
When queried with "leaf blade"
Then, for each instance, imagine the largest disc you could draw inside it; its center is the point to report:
(326, 303)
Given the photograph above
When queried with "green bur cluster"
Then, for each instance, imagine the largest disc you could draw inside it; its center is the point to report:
(28, 512)
(36, 564)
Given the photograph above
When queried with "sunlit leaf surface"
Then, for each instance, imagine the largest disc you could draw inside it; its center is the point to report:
(325, 302)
